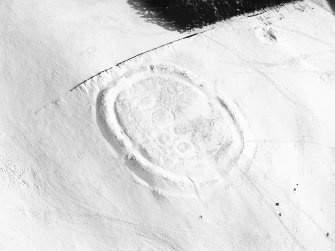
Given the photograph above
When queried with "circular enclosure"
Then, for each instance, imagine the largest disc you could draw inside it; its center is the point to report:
(171, 131)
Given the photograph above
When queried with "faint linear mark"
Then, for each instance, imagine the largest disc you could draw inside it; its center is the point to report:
(305, 35)
(140, 54)
(267, 203)
(290, 202)
(286, 94)
(270, 207)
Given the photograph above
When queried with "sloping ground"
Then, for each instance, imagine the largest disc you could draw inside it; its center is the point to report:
(48, 47)
(76, 175)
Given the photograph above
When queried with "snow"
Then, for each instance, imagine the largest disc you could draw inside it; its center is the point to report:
(170, 125)
(77, 174)
(54, 45)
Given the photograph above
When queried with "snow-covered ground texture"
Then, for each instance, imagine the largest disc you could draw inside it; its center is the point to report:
(170, 127)
(220, 141)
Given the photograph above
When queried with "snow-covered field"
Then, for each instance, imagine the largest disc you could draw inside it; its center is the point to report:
(119, 134)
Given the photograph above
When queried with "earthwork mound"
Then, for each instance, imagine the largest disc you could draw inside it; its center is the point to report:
(171, 130)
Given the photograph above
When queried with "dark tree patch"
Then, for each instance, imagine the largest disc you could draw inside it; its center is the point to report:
(188, 14)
